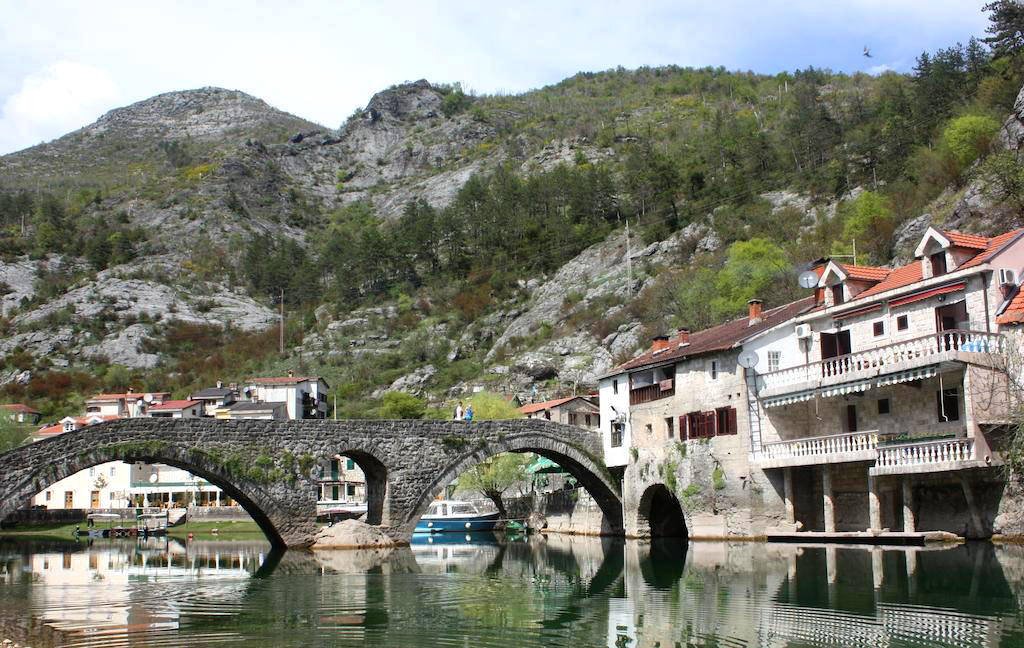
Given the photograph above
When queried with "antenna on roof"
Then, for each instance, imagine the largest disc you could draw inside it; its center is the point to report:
(848, 256)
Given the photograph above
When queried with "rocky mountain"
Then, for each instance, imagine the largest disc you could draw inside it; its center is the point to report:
(193, 176)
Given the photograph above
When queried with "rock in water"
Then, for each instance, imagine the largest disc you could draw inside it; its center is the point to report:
(352, 534)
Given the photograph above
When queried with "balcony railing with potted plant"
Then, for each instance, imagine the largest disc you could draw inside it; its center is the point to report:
(926, 349)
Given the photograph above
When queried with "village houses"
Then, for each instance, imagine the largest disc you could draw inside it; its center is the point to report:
(877, 402)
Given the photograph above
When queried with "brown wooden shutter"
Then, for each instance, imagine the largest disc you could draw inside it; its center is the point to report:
(732, 421)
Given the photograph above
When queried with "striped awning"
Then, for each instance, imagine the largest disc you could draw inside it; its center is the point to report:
(907, 376)
(846, 388)
(789, 399)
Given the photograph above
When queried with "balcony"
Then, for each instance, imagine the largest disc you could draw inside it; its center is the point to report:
(648, 393)
(958, 345)
(833, 448)
(926, 456)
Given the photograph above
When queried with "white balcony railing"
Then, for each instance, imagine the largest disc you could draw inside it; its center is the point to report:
(932, 347)
(821, 446)
(925, 453)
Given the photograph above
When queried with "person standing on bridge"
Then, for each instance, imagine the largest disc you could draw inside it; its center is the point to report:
(458, 411)
(469, 412)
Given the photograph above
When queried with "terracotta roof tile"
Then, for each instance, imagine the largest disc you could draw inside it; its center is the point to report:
(995, 244)
(719, 338)
(19, 407)
(897, 278)
(966, 240)
(1014, 313)
(537, 407)
(283, 380)
(129, 396)
(864, 273)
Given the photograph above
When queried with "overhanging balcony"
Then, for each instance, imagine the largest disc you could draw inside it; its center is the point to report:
(863, 366)
(648, 393)
(808, 451)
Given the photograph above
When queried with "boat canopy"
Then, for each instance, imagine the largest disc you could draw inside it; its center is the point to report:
(104, 516)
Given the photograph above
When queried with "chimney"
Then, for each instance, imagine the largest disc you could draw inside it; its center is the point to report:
(291, 373)
(220, 385)
(659, 343)
(684, 336)
(131, 390)
(754, 311)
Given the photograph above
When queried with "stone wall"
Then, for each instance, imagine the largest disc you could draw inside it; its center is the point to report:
(272, 468)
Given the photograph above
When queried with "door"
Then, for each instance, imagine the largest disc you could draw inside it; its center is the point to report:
(851, 418)
(94, 499)
(69, 499)
(950, 317)
(835, 345)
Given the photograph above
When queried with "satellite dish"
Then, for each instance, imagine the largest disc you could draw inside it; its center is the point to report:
(153, 478)
(808, 279)
(148, 398)
(748, 359)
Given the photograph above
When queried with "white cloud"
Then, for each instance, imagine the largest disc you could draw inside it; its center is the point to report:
(54, 100)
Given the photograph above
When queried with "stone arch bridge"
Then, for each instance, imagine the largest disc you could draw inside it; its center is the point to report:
(272, 468)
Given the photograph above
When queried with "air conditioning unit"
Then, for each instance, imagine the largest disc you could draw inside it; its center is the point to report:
(803, 331)
(1007, 277)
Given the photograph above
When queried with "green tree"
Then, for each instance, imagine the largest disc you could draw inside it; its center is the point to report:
(750, 269)
(1006, 27)
(488, 406)
(969, 137)
(1004, 175)
(494, 476)
(868, 220)
(400, 405)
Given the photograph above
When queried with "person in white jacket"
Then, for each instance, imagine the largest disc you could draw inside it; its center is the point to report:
(458, 411)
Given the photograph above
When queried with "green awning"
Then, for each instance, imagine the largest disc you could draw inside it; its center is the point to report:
(544, 465)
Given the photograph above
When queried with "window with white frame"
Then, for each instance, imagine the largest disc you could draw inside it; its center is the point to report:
(774, 360)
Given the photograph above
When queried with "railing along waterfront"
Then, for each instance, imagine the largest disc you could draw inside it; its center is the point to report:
(934, 346)
(820, 446)
(926, 452)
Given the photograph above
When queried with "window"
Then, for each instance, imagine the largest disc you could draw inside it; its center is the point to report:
(670, 428)
(649, 429)
(902, 323)
(47, 496)
(714, 370)
(617, 432)
(883, 406)
(351, 490)
(837, 294)
(700, 425)
(851, 418)
(113, 471)
(948, 404)
(587, 418)
(615, 386)
(725, 421)
(938, 264)
(350, 464)
(335, 467)
(774, 360)
(878, 328)
(92, 472)
(334, 493)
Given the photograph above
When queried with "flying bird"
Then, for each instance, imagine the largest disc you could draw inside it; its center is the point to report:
(867, 52)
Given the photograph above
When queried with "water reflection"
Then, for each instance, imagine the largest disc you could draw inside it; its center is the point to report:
(490, 590)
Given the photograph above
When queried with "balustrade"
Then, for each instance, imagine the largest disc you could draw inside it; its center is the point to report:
(934, 346)
(926, 452)
(820, 446)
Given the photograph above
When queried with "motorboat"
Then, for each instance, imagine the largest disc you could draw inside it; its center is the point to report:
(152, 524)
(451, 516)
(341, 512)
(95, 528)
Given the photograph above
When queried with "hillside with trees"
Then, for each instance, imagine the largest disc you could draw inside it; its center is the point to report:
(441, 240)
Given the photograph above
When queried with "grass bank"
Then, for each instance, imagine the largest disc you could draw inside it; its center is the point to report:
(205, 530)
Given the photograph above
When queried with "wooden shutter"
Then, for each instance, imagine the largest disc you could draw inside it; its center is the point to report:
(732, 421)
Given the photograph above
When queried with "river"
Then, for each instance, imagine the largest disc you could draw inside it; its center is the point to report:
(475, 591)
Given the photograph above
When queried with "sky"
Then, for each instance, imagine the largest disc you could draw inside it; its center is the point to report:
(65, 63)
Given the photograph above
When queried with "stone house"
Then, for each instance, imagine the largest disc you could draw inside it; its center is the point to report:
(675, 424)
(213, 398)
(580, 411)
(305, 397)
(883, 406)
(21, 413)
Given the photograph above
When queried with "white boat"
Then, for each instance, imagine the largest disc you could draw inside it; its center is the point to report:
(449, 515)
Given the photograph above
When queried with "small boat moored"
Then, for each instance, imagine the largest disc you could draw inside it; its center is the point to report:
(450, 516)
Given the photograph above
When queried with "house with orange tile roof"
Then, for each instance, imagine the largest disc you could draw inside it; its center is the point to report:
(878, 402)
(176, 409)
(20, 413)
(580, 411)
(304, 397)
(893, 380)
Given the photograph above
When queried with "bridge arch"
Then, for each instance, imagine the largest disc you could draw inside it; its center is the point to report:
(660, 515)
(588, 470)
(42, 464)
(376, 474)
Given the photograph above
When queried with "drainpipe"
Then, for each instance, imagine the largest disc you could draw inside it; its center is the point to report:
(986, 277)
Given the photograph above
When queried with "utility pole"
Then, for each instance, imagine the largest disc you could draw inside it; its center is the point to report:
(281, 333)
(629, 264)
